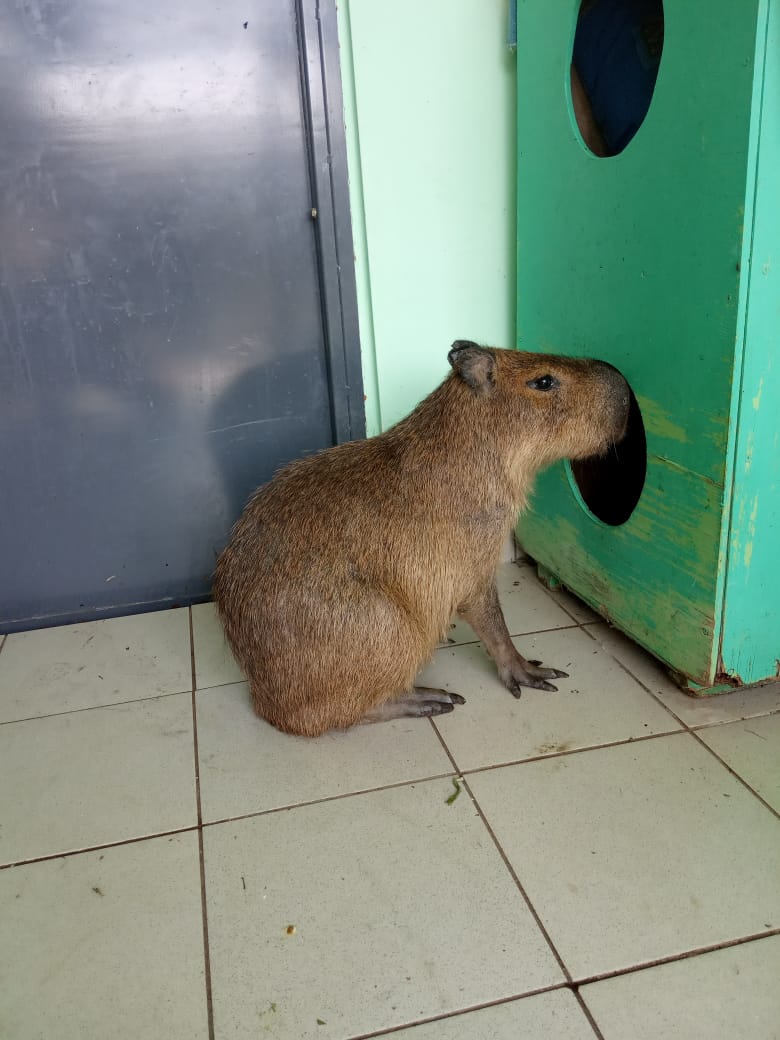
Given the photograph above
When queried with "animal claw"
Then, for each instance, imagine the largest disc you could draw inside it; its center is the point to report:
(547, 673)
(534, 682)
(429, 708)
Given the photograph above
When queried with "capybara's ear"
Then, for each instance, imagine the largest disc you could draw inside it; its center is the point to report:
(475, 365)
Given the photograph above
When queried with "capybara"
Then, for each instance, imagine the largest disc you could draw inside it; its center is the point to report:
(342, 574)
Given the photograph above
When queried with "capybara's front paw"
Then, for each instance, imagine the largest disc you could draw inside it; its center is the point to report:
(532, 675)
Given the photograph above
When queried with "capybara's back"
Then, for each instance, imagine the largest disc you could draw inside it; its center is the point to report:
(343, 572)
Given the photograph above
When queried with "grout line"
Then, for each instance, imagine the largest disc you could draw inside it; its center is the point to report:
(517, 882)
(637, 680)
(519, 635)
(573, 751)
(735, 774)
(689, 726)
(192, 651)
(727, 944)
(699, 726)
(226, 819)
(503, 855)
(2, 643)
(443, 743)
(97, 848)
(434, 776)
(95, 707)
(222, 685)
(515, 635)
(388, 1030)
(327, 798)
(204, 913)
(587, 1012)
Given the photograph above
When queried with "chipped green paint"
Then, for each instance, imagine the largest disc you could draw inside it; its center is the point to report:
(751, 533)
(654, 254)
(659, 422)
(547, 578)
(749, 447)
(698, 690)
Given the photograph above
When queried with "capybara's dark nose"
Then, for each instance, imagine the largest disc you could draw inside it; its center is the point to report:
(616, 383)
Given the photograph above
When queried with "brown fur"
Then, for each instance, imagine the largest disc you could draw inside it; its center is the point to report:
(343, 572)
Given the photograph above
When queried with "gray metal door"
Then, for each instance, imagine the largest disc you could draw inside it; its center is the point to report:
(175, 320)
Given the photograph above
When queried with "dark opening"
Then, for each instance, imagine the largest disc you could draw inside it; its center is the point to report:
(612, 485)
(614, 66)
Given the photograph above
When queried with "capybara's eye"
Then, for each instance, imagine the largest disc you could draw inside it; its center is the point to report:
(542, 383)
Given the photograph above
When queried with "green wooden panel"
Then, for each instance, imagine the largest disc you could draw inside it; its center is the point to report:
(637, 259)
(751, 635)
(649, 577)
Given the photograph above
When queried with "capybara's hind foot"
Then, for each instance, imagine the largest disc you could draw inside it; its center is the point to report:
(532, 675)
(419, 702)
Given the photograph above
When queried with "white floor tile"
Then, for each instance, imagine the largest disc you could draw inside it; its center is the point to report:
(579, 610)
(636, 852)
(248, 766)
(73, 781)
(214, 661)
(100, 662)
(104, 944)
(732, 993)
(556, 1015)
(598, 704)
(575, 607)
(694, 711)
(752, 750)
(401, 909)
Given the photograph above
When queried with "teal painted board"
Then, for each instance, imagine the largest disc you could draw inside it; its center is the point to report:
(751, 632)
(645, 259)
(638, 254)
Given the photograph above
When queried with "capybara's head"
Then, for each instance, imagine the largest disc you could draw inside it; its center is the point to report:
(561, 407)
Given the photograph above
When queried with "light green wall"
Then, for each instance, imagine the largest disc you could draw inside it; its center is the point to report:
(430, 112)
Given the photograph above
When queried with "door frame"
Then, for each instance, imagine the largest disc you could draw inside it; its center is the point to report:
(326, 146)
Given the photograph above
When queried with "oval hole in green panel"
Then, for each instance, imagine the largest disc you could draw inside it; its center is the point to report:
(616, 53)
(609, 487)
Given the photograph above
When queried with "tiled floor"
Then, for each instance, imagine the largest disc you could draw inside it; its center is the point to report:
(171, 867)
